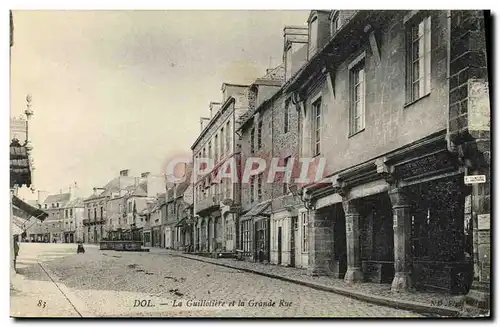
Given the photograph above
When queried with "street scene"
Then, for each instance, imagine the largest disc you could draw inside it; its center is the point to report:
(313, 163)
(109, 284)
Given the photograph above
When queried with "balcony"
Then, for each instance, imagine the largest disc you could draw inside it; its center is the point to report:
(211, 203)
(86, 222)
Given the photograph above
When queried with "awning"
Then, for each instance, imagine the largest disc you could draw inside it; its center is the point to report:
(32, 211)
(258, 209)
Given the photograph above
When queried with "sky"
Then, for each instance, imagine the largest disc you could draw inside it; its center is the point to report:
(114, 90)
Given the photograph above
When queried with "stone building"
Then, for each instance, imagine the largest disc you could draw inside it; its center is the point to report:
(73, 221)
(52, 228)
(397, 104)
(216, 199)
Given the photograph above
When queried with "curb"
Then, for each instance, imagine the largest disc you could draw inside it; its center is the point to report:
(79, 307)
(375, 299)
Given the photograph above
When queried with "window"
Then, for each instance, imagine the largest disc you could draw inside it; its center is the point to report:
(419, 60)
(102, 212)
(222, 142)
(45, 205)
(252, 140)
(88, 213)
(259, 187)
(71, 212)
(130, 206)
(335, 24)
(66, 213)
(313, 36)
(305, 232)
(95, 213)
(246, 237)
(285, 176)
(216, 148)
(57, 204)
(252, 189)
(288, 63)
(286, 117)
(228, 136)
(259, 135)
(357, 103)
(316, 114)
(210, 149)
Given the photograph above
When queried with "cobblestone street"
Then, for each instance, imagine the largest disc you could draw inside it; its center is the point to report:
(111, 283)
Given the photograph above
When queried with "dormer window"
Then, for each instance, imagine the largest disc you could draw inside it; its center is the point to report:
(335, 23)
(313, 36)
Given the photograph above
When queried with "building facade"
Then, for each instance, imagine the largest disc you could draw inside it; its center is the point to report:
(217, 199)
(378, 100)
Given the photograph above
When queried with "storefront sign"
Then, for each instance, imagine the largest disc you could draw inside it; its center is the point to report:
(475, 179)
(483, 221)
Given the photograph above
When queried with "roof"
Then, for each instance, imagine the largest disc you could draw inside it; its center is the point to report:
(275, 74)
(257, 209)
(63, 197)
(223, 108)
(315, 63)
(32, 211)
(78, 202)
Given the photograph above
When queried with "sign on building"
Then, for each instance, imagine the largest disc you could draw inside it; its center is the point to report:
(475, 179)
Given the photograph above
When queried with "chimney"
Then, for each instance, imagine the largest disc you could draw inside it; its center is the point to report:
(214, 108)
(233, 90)
(294, 49)
(124, 172)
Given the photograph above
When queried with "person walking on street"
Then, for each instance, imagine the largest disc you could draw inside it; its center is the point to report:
(16, 250)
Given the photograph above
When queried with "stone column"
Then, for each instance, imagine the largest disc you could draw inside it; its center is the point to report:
(402, 239)
(320, 244)
(352, 227)
(480, 202)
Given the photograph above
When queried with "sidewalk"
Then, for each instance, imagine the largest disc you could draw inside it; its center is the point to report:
(34, 294)
(432, 303)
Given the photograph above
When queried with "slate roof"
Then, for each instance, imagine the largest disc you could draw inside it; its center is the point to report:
(78, 202)
(63, 197)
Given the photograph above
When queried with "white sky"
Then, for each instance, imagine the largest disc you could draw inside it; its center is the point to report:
(117, 90)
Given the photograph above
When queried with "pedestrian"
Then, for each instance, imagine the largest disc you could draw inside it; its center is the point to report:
(16, 250)
(80, 248)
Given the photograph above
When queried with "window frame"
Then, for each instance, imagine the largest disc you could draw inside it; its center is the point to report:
(317, 122)
(354, 67)
(260, 126)
(424, 60)
(313, 42)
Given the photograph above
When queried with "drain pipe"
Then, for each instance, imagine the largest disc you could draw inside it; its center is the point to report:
(451, 147)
